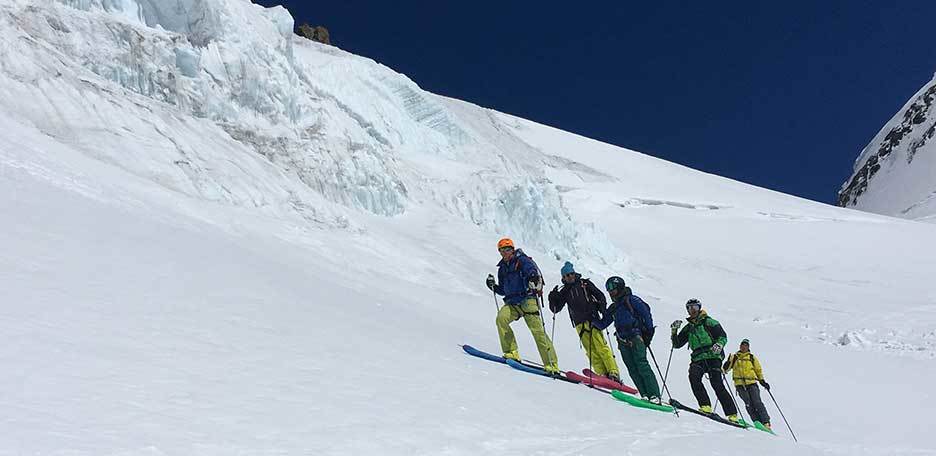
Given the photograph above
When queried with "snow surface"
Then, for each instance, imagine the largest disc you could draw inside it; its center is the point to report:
(222, 239)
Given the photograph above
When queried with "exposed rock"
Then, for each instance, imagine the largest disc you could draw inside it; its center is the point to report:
(317, 33)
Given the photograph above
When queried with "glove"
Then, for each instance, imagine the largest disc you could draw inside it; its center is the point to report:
(765, 385)
(675, 326)
(490, 282)
(535, 284)
(716, 348)
(647, 336)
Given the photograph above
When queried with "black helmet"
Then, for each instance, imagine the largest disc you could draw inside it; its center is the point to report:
(614, 283)
(693, 303)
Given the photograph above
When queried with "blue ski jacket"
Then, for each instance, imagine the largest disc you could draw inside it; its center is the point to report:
(513, 277)
(627, 323)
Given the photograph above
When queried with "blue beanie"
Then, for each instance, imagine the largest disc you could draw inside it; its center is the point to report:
(567, 268)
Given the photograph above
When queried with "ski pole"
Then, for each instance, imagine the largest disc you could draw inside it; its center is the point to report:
(552, 334)
(665, 388)
(592, 376)
(493, 293)
(613, 356)
(781, 414)
(733, 400)
(670, 360)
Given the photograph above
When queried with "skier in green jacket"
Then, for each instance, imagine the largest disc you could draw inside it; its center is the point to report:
(707, 340)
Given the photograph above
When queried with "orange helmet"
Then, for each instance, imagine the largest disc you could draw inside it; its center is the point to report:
(506, 242)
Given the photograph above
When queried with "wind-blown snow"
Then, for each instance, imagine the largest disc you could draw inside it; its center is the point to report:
(223, 239)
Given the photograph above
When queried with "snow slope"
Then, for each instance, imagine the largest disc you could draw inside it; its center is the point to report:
(221, 239)
(896, 173)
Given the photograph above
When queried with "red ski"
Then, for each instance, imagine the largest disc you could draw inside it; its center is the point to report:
(591, 378)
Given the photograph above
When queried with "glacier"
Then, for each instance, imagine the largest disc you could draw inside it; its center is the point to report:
(220, 238)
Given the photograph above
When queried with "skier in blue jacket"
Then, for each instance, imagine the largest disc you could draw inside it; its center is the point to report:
(520, 283)
(633, 326)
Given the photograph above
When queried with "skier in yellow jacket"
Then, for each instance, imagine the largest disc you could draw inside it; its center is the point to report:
(747, 373)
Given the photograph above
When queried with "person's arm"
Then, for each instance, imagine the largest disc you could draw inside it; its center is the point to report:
(498, 289)
(600, 300)
(729, 363)
(607, 319)
(645, 316)
(528, 268)
(556, 300)
(715, 328)
(680, 339)
(758, 372)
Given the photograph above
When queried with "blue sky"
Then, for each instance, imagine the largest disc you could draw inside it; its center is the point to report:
(779, 94)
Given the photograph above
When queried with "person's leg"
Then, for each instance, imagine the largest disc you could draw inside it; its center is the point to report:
(582, 329)
(713, 367)
(696, 371)
(744, 394)
(647, 378)
(627, 356)
(533, 320)
(758, 405)
(601, 356)
(505, 316)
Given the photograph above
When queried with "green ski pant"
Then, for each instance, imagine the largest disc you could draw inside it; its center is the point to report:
(529, 311)
(600, 358)
(634, 355)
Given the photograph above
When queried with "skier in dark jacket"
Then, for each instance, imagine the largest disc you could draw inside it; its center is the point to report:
(586, 304)
(633, 326)
(707, 340)
(520, 283)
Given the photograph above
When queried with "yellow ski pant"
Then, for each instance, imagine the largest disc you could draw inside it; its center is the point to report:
(597, 351)
(529, 311)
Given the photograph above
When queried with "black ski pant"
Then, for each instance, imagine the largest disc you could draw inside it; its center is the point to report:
(712, 367)
(750, 394)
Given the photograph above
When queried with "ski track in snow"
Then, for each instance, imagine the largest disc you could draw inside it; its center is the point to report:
(222, 239)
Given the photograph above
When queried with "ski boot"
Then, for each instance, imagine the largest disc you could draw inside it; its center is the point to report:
(706, 409)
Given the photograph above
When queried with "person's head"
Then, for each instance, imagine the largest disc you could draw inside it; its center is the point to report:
(506, 248)
(745, 346)
(616, 287)
(694, 307)
(568, 273)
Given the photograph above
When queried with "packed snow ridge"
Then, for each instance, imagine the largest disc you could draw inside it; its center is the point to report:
(896, 173)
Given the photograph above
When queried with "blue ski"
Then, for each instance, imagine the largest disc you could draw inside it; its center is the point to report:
(483, 355)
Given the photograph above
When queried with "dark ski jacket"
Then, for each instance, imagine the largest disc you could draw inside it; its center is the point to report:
(513, 277)
(631, 316)
(585, 300)
(701, 333)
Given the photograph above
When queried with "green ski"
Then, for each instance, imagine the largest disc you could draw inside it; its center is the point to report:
(636, 402)
(760, 427)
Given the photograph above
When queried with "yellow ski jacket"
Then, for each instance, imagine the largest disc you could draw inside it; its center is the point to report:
(747, 369)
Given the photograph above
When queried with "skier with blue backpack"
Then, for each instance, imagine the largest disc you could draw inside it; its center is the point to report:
(520, 282)
(634, 330)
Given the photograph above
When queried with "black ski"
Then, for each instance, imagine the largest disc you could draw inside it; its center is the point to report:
(711, 416)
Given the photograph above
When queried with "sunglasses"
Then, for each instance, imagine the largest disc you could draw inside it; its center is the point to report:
(506, 249)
